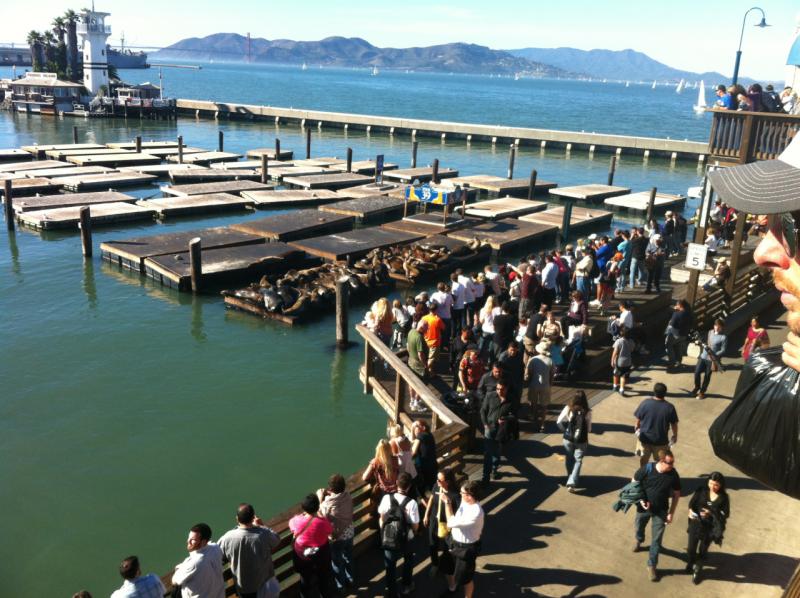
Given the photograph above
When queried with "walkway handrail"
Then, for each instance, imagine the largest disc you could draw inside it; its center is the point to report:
(743, 137)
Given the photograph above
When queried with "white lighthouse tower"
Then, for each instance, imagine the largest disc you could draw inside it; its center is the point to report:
(94, 33)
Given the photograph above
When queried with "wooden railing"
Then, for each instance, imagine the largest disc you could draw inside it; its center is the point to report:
(750, 284)
(388, 378)
(742, 137)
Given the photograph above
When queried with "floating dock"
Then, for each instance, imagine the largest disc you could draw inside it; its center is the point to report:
(637, 202)
(270, 153)
(68, 200)
(62, 155)
(53, 173)
(13, 155)
(101, 214)
(218, 187)
(506, 207)
(431, 223)
(106, 180)
(38, 151)
(362, 167)
(205, 158)
(300, 224)
(189, 205)
(591, 192)
(114, 159)
(504, 235)
(278, 173)
(226, 265)
(166, 152)
(460, 256)
(366, 208)
(206, 175)
(423, 174)
(131, 253)
(252, 164)
(146, 145)
(35, 165)
(161, 170)
(511, 187)
(336, 180)
(323, 161)
(372, 189)
(354, 244)
(581, 218)
(32, 186)
(291, 197)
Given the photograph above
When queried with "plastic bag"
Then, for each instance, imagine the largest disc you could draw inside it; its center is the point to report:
(759, 432)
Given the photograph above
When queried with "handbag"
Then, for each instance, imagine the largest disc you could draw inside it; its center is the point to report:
(441, 528)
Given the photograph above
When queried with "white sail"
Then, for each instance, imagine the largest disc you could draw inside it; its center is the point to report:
(305, 66)
(375, 71)
(654, 83)
(680, 86)
(627, 83)
(701, 98)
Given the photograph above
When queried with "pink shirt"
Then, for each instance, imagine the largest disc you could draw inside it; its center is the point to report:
(315, 534)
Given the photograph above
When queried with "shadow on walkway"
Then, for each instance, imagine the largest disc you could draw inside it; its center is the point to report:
(502, 580)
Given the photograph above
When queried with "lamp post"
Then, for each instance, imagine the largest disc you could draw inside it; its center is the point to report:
(762, 24)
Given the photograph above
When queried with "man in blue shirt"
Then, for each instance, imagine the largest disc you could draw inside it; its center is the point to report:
(137, 585)
(725, 100)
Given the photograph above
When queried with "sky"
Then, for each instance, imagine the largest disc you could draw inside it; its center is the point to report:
(694, 35)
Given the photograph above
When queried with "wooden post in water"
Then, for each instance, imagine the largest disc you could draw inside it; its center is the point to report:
(9, 204)
(74, 134)
(512, 152)
(86, 231)
(565, 222)
(180, 149)
(349, 159)
(532, 185)
(264, 168)
(414, 148)
(221, 141)
(308, 143)
(651, 202)
(196, 264)
(342, 303)
(435, 180)
(277, 149)
(138, 144)
(612, 167)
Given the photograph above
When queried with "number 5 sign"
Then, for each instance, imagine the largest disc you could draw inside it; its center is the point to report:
(696, 256)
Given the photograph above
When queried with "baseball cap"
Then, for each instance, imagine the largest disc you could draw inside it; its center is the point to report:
(764, 187)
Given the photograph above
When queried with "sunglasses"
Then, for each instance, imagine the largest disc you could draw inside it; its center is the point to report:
(786, 225)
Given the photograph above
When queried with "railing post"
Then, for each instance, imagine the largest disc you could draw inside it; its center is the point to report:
(746, 144)
(398, 397)
(434, 421)
(367, 366)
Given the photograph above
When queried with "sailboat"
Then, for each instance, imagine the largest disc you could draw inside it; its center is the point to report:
(701, 105)
(516, 76)
(627, 83)
(680, 86)
(654, 83)
(304, 67)
(375, 71)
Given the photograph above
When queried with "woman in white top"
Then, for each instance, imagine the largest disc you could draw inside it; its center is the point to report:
(486, 321)
(401, 449)
(575, 421)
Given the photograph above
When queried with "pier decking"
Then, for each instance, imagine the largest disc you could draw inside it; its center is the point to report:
(511, 187)
(189, 205)
(114, 159)
(423, 174)
(66, 200)
(270, 153)
(207, 175)
(504, 235)
(354, 244)
(291, 197)
(105, 180)
(366, 208)
(14, 155)
(34, 165)
(32, 186)
(218, 187)
(101, 214)
(299, 224)
(131, 253)
(506, 207)
(591, 192)
(431, 223)
(38, 151)
(362, 167)
(205, 158)
(580, 218)
(337, 180)
(637, 202)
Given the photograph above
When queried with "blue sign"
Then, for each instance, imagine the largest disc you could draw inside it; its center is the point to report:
(428, 194)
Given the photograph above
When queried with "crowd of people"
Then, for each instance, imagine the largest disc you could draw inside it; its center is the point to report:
(757, 99)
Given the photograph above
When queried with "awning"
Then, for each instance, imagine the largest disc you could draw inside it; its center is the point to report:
(794, 53)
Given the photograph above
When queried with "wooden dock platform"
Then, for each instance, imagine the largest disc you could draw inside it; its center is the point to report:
(581, 219)
(637, 202)
(227, 265)
(504, 235)
(207, 175)
(423, 174)
(131, 253)
(14, 155)
(511, 187)
(254, 164)
(101, 214)
(67, 200)
(270, 153)
(278, 173)
(218, 187)
(189, 205)
(300, 224)
(32, 186)
(370, 190)
(366, 208)
(38, 151)
(63, 154)
(336, 180)
(506, 207)
(114, 159)
(283, 198)
(362, 167)
(106, 180)
(460, 256)
(431, 223)
(205, 158)
(52, 173)
(166, 152)
(591, 192)
(354, 244)
(146, 145)
(34, 165)
(323, 161)
(161, 170)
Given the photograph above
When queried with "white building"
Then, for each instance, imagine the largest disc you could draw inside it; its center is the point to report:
(94, 33)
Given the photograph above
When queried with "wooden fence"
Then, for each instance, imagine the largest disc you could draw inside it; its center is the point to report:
(751, 283)
(742, 137)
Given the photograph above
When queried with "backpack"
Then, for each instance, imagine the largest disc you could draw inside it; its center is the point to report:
(595, 271)
(394, 534)
(576, 428)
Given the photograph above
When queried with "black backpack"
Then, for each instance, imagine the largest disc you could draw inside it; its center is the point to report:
(576, 428)
(394, 534)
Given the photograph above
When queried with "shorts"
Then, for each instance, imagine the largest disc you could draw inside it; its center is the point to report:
(539, 395)
(433, 355)
(530, 345)
(649, 450)
(458, 560)
(622, 371)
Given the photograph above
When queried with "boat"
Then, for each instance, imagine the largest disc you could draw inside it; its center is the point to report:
(304, 67)
(375, 71)
(125, 58)
(654, 83)
(701, 105)
(681, 85)
(516, 76)
(627, 83)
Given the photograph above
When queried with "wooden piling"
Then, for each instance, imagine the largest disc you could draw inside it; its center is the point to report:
(264, 169)
(138, 144)
(9, 204)
(651, 202)
(86, 230)
(435, 179)
(565, 222)
(221, 141)
(196, 263)
(308, 144)
(349, 159)
(414, 148)
(277, 149)
(512, 151)
(180, 149)
(612, 167)
(532, 184)
(74, 134)
(342, 304)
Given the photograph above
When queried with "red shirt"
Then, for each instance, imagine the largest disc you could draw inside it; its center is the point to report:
(433, 335)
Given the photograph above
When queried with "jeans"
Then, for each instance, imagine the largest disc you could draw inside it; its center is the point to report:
(584, 285)
(676, 348)
(698, 539)
(703, 368)
(491, 455)
(574, 459)
(342, 562)
(390, 558)
(657, 530)
(654, 276)
(637, 271)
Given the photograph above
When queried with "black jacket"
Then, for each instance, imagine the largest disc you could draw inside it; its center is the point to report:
(493, 410)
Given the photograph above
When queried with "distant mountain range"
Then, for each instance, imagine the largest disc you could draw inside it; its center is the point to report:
(356, 52)
(618, 65)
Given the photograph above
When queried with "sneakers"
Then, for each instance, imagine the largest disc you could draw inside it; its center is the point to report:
(622, 392)
(696, 573)
(570, 488)
(614, 388)
(636, 546)
(701, 396)
(652, 573)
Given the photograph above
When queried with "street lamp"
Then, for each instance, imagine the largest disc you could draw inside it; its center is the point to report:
(762, 24)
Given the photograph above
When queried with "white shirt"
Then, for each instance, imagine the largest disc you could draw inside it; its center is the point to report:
(478, 289)
(549, 274)
(467, 523)
(200, 575)
(566, 413)
(412, 510)
(486, 318)
(469, 295)
(493, 278)
(445, 301)
(458, 294)
(625, 318)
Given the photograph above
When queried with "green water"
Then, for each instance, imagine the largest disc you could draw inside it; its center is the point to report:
(130, 412)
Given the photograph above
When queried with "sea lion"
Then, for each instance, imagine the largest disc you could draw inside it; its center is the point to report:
(264, 283)
(299, 306)
(272, 301)
(248, 294)
(288, 294)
